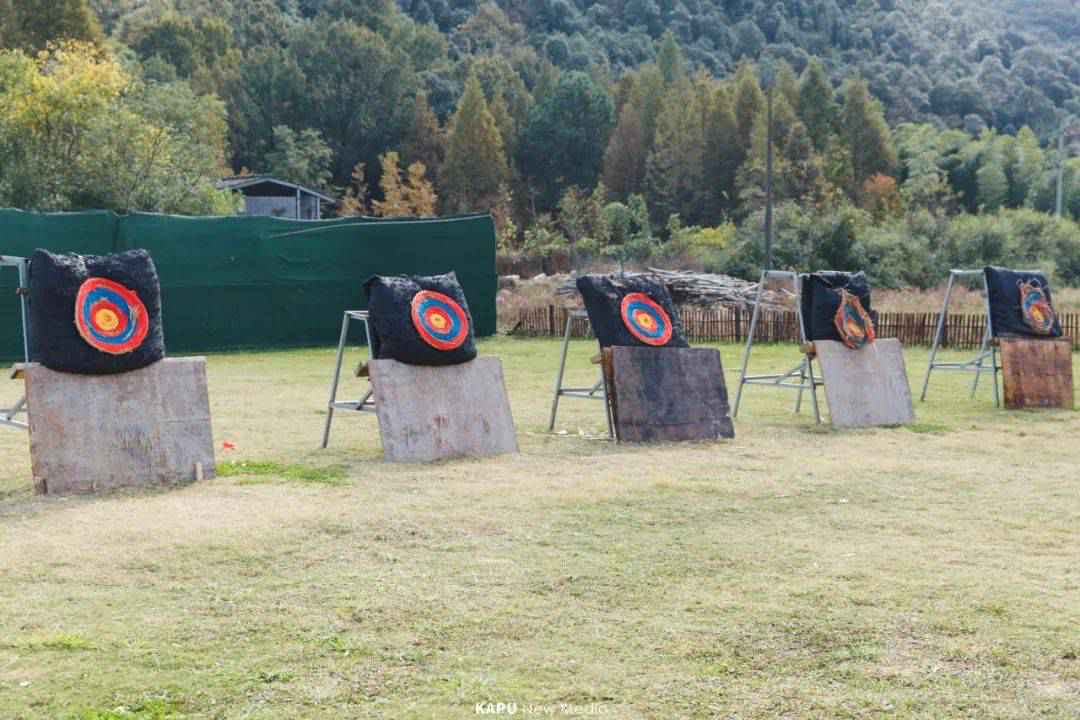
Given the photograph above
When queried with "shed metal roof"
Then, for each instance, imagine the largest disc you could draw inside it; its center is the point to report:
(239, 182)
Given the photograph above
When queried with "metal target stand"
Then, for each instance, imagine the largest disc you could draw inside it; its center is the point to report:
(365, 403)
(801, 377)
(10, 416)
(988, 350)
(596, 392)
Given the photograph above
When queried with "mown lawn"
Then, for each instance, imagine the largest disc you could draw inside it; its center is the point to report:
(926, 572)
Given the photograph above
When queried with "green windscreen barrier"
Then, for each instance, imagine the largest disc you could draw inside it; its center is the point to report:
(254, 282)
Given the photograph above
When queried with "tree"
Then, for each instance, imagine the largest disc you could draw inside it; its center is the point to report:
(675, 174)
(393, 203)
(869, 142)
(425, 141)
(355, 90)
(816, 106)
(1025, 162)
(749, 102)
(303, 158)
(419, 192)
(475, 169)
(76, 131)
(993, 184)
(355, 200)
(564, 140)
(723, 154)
(412, 197)
(670, 60)
(267, 91)
(40, 23)
(624, 158)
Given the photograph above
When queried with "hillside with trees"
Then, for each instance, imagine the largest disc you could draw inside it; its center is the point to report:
(907, 136)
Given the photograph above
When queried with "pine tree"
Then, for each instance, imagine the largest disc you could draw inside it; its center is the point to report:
(723, 155)
(355, 201)
(425, 142)
(869, 142)
(805, 178)
(475, 168)
(787, 83)
(992, 183)
(624, 159)
(749, 102)
(670, 59)
(419, 192)
(817, 106)
(504, 121)
(648, 97)
(393, 203)
(1025, 162)
(675, 171)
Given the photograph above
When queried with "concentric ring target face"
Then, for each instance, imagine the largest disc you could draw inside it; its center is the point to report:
(646, 320)
(441, 322)
(1036, 309)
(110, 317)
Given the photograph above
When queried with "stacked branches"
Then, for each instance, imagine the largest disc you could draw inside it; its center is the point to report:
(711, 289)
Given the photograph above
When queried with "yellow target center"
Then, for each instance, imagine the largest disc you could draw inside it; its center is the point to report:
(106, 319)
(438, 321)
(646, 321)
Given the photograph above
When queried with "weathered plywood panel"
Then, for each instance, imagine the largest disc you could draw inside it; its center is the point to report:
(866, 387)
(434, 413)
(667, 394)
(92, 433)
(1038, 373)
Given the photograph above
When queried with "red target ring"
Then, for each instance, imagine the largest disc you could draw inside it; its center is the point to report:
(441, 322)
(110, 317)
(646, 319)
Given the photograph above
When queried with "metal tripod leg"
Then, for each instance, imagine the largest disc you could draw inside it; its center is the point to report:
(559, 376)
(813, 389)
(597, 392)
(334, 383)
(365, 403)
(749, 346)
(937, 336)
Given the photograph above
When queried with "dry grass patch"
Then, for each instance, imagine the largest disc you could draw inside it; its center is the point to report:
(793, 572)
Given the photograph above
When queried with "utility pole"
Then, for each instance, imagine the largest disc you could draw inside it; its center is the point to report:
(769, 177)
(1066, 128)
(1061, 172)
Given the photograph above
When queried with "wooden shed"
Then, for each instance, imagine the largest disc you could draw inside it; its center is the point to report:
(270, 196)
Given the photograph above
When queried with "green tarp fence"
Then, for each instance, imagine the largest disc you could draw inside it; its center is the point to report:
(254, 282)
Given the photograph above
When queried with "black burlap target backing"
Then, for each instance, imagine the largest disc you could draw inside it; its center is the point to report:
(95, 315)
(420, 320)
(1021, 303)
(823, 298)
(631, 310)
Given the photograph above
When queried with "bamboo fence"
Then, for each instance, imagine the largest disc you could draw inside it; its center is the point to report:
(962, 331)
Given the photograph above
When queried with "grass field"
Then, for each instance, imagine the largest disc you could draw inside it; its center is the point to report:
(795, 572)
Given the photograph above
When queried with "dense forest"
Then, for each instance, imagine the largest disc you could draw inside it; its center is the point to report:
(907, 136)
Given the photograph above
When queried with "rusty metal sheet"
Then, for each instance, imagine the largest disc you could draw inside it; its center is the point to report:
(667, 394)
(1037, 373)
(436, 413)
(92, 433)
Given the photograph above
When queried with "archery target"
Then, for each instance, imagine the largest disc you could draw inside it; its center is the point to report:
(110, 317)
(441, 322)
(645, 319)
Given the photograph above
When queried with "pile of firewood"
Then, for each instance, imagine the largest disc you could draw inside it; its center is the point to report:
(710, 289)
